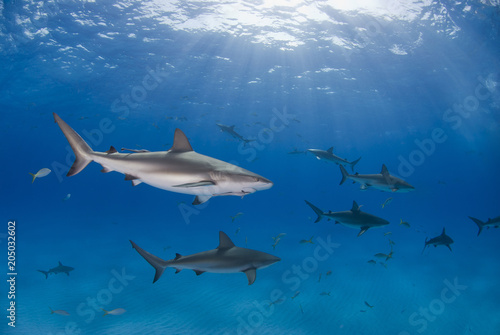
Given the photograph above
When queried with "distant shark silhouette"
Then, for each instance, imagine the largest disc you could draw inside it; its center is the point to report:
(230, 130)
(179, 169)
(330, 156)
(382, 181)
(495, 222)
(226, 258)
(354, 218)
(442, 239)
(58, 269)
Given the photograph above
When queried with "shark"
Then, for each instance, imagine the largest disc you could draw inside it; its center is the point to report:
(230, 130)
(226, 258)
(330, 156)
(353, 218)
(382, 181)
(495, 222)
(442, 239)
(179, 169)
(58, 269)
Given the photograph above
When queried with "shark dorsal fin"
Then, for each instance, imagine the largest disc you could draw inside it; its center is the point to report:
(177, 256)
(181, 143)
(384, 171)
(330, 150)
(224, 241)
(355, 207)
(444, 231)
(60, 264)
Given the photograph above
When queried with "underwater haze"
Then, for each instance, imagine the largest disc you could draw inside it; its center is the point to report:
(403, 241)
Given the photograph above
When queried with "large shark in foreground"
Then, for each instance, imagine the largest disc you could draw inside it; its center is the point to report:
(442, 239)
(495, 222)
(226, 258)
(179, 169)
(58, 269)
(354, 218)
(382, 181)
(330, 156)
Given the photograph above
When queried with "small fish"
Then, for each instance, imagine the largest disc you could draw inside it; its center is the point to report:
(367, 304)
(236, 216)
(391, 242)
(371, 261)
(67, 197)
(307, 241)
(237, 230)
(295, 295)
(116, 311)
(276, 241)
(276, 302)
(319, 279)
(297, 152)
(388, 233)
(58, 311)
(362, 311)
(166, 248)
(329, 272)
(383, 264)
(41, 173)
(280, 235)
(300, 305)
(386, 202)
(404, 223)
(325, 293)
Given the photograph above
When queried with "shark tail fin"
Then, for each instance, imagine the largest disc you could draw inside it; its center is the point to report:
(345, 174)
(425, 245)
(318, 211)
(81, 149)
(46, 273)
(480, 224)
(158, 263)
(354, 163)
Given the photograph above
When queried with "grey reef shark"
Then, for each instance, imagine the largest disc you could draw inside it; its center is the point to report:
(230, 130)
(58, 269)
(330, 156)
(495, 222)
(383, 181)
(354, 218)
(179, 169)
(226, 258)
(442, 239)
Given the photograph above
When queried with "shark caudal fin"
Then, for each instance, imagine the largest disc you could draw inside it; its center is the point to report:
(353, 163)
(480, 224)
(345, 174)
(46, 273)
(80, 147)
(318, 211)
(158, 263)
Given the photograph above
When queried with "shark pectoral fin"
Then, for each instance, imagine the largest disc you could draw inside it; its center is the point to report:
(198, 272)
(363, 230)
(201, 199)
(130, 177)
(251, 275)
(177, 270)
(196, 184)
(136, 182)
(449, 247)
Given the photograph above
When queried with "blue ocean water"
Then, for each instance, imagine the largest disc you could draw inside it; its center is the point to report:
(413, 85)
